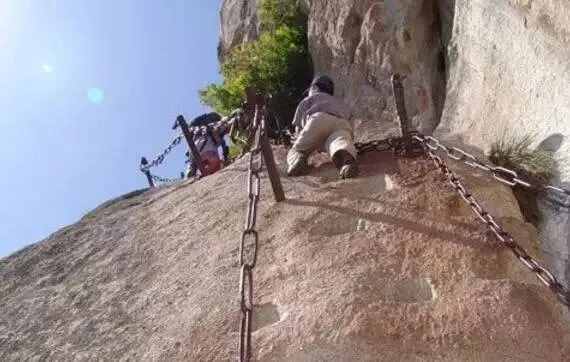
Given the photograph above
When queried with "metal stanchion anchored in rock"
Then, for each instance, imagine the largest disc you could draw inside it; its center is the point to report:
(508, 177)
(259, 155)
(413, 143)
(405, 145)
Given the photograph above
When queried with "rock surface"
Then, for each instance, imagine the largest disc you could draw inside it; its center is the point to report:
(476, 70)
(362, 43)
(239, 24)
(509, 74)
(389, 266)
(481, 68)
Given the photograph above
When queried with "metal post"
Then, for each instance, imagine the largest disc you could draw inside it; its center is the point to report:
(180, 121)
(144, 162)
(398, 89)
(254, 98)
(269, 159)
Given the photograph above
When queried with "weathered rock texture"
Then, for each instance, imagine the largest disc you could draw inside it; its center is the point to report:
(361, 44)
(388, 267)
(476, 69)
(239, 24)
(509, 72)
(490, 66)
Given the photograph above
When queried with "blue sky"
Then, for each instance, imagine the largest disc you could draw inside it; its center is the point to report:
(87, 87)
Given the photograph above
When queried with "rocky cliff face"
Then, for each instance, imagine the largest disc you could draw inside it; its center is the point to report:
(476, 70)
(362, 43)
(238, 24)
(387, 267)
(509, 73)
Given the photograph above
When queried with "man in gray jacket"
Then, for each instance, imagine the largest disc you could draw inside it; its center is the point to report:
(322, 122)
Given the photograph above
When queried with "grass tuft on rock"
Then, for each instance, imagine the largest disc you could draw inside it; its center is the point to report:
(517, 153)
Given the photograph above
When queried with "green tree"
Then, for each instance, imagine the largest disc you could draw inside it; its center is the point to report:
(277, 63)
(274, 13)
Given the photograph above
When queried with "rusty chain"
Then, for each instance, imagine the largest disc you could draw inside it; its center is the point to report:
(160, 158)
(505, 238)
(375, 145)
(224, 122)
(504, 175)
(250, 240)
(164, 180)
(399, 145)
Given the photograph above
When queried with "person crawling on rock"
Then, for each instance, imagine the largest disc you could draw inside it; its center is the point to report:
(322, 124)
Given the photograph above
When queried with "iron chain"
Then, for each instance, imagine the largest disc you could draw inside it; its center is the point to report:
(250, 241)
(160, 158)
(163, 180)
(504, 175)
(375, 145)
(225, 122)
(505, 238)
(399, 145)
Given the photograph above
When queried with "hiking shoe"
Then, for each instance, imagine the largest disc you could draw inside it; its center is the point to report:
(298, 164)
(346, 164)
(349, 171)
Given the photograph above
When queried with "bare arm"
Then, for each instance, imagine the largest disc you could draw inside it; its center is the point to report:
(300, 114)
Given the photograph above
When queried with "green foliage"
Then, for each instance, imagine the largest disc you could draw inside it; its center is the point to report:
(277, 63)
(221, 98)
(274, 13)
(516, 153)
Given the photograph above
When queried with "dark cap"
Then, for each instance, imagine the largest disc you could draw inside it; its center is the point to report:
(324, 84)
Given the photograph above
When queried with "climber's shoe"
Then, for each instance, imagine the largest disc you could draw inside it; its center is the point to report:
(346, 164)
(297, 163)
(349, 171)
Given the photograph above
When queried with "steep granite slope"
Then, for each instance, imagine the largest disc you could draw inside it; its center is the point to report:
(475, 69)
(509, 73)
(361, 44)
(389, 266)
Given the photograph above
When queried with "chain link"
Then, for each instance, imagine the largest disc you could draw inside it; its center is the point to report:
(226, 122)
(164, 180)
(504, 175)
(160, 158)
(250, 240)
(503, 236)
(399, 145)
(375, 145)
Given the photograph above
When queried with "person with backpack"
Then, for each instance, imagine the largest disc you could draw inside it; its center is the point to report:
(208, 140)
(322, 122)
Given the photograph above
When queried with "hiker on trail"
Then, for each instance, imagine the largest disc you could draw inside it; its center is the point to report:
(208, 140)
(322, 123)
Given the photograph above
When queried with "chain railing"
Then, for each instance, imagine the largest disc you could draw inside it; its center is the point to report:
(410, 142)
(158, 160)
(505, 238)
(375, 145)
(224, 123)
(249, 242)
(507, 176)
(188, 134)
(164, 180)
